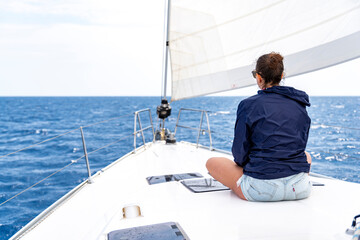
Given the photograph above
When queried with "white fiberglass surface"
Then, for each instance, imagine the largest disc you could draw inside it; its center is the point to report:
(97, 209)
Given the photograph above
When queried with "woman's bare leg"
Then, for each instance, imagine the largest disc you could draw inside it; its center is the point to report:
(308, 159)
(227, 172)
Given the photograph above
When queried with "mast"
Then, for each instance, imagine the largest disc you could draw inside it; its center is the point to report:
(166, 48)
(164, 109)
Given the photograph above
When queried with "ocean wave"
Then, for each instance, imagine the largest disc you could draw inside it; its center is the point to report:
(337, 106)
(219, 113)
(42, 131)
(316, 126)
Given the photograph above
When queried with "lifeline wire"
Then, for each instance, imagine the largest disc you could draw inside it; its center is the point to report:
(72, 162)
(333, 126)
(39, 143)
(351, 128)
(105, 146)
(62, 135)
(93, 124)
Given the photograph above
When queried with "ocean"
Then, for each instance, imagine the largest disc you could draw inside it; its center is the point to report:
(108, 124)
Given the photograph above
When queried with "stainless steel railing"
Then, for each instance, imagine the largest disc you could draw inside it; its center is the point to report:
(86, 155)
(140, 130)
(199, 129)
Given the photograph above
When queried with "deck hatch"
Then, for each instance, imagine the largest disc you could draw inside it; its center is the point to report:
(161, 231)
(172, 177)
(204, 185)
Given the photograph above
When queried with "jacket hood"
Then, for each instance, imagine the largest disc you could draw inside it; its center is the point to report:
(289, 92)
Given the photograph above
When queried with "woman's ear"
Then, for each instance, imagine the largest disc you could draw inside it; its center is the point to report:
(259, 81)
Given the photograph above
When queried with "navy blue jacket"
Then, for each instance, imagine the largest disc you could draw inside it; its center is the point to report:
(271, 132)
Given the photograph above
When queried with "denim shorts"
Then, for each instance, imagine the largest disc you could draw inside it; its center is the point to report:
(294, 187)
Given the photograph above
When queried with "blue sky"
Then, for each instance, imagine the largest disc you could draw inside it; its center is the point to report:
(107, 48)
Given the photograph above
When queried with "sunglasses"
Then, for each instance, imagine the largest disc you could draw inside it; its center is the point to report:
(254, 73)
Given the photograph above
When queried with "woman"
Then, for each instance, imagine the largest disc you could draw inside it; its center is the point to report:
(271, 132)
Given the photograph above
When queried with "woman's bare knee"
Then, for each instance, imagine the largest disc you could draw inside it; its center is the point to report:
(210, 163)
(214, 166)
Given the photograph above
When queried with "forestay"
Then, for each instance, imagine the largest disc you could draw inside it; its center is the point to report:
(214, 43)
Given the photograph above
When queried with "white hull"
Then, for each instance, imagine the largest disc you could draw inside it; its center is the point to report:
(95, 209)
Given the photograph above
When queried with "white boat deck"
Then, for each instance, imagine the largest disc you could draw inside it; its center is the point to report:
(96, 209)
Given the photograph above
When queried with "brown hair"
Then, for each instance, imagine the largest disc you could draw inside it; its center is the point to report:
(270, 67)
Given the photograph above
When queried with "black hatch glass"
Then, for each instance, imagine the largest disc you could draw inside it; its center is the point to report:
(204, 185)
(161, 231)
(172, 177)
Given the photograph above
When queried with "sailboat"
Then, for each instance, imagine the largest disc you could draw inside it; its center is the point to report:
(162, 189)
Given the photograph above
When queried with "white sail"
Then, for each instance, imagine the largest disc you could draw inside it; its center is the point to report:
(214, 43)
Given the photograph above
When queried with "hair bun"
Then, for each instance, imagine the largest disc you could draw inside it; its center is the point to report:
(274, 60)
